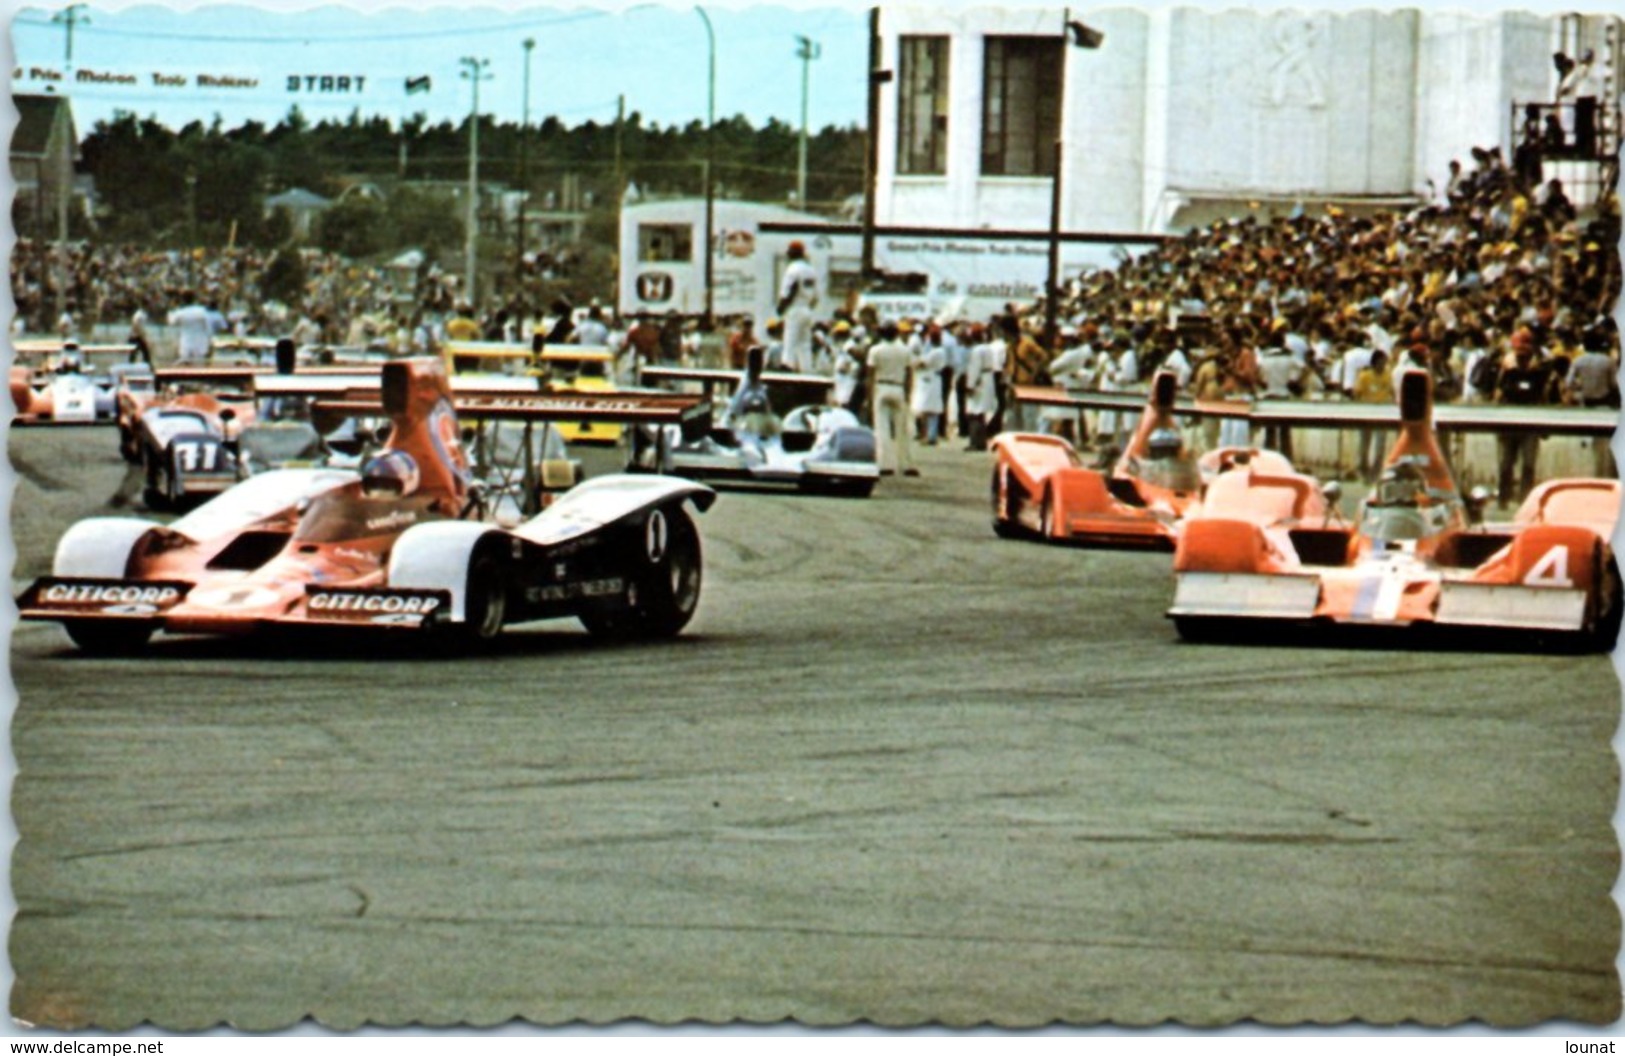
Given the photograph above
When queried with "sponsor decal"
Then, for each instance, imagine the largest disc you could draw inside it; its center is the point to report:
(110, 596)
(591, 588)
(392, 520)
(373, 605)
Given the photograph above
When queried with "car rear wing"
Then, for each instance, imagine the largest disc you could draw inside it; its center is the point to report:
(46, 349)
(1337, 414)
(729, 379)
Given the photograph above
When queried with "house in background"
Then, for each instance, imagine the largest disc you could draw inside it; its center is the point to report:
(302, 207)
(44, 148)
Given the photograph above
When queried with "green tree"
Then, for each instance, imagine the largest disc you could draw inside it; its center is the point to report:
(355, 226)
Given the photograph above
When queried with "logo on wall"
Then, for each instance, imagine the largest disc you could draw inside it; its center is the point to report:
(655, 287)
(739, 243)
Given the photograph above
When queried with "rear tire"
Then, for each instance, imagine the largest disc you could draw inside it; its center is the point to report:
(1605, 624)
(1200, 630)
(108, 637)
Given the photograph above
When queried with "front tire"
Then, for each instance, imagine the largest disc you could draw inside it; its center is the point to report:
(663, 593)
(485, 603)
(1004, 504)
(108, 637)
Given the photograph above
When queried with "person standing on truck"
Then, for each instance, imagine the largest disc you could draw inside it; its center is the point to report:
(798, 296)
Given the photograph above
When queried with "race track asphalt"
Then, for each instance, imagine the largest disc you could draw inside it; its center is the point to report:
(896, 771)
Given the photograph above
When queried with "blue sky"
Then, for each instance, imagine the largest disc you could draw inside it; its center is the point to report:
(583, 59)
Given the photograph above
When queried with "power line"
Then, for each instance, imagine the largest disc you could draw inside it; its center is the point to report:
(318, 38)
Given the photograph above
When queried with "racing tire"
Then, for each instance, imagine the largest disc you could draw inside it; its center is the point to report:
(485, 601)
(158, 487)
(1004, 527)
(662, 595)
(108, 637)
(1201, 630)
(1610, 607)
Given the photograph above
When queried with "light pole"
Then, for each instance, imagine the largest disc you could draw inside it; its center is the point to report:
(710, 163)
(524, 174)
(807, 50)
(1073, 34)
(474, 73)
(191, 226)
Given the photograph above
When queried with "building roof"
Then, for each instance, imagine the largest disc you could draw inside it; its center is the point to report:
(36, 114)
(297, 198)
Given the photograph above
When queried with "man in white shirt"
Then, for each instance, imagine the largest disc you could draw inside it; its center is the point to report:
(798, 296)
(195, 331)
(889, 369)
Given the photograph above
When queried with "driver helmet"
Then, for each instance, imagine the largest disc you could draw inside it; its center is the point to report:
(1164, 444)
(1400, 485)
(393, 474)
(72, 360)
(755, 402)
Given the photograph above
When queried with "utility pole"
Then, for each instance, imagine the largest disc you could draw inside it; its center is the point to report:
(807, 50)
(710, 167)
(620, 178)
(474, 73)
(1073, 34)
(191, 226)
(871, 154)
(68, 17)
(524, 173)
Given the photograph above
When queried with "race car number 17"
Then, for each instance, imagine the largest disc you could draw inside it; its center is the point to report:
(196, 456)
(1552, 570)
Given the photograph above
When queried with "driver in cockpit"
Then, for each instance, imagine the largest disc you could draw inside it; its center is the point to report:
(1400, 485)
(1396, 509)
(750, 413)
(1165, 463)
(391, 475)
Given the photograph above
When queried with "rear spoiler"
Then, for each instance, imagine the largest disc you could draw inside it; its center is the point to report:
(691, 414)
(1338, 414)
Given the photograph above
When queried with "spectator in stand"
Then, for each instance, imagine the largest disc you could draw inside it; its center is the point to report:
(1593, 381)
(1375, 384)
(1525, 382)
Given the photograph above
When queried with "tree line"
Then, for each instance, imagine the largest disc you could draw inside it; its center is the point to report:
(205, 184)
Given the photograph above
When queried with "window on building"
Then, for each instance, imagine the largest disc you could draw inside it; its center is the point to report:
(665, 242)
(922, 104)
(1021, 105)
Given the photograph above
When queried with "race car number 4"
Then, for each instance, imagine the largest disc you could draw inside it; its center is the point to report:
(1552, 570)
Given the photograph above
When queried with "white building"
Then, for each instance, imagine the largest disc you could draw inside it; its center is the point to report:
(1181, 112)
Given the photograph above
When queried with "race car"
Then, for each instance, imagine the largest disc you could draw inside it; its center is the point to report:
(768, 436)
(1416, 559)
(395, 547)
(1042, 489)
(565, 368)
(65, 383)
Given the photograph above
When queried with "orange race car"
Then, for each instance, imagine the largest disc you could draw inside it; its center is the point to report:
(399, 546)
(1042, 490)
(1417, 557)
